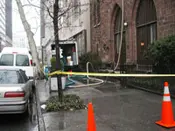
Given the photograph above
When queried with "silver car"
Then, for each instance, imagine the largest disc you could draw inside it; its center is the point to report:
(15, 91)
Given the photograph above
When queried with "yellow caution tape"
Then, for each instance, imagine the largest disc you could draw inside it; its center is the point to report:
(110, 74)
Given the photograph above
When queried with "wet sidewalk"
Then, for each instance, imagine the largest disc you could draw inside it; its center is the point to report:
(115, 108)
(74, 120)
(84, 92)
(70, 121)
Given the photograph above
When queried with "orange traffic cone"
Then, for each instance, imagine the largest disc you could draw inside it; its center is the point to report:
(167, 109)
(91, 125)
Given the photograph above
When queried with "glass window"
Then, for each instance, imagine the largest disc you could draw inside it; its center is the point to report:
(24, 75)
(118, 29)
(9, 77)
(97, 12)
(118, 37)
(153, 32)
(7, 60)
(22, 60)
(146, 22)
(76, 9)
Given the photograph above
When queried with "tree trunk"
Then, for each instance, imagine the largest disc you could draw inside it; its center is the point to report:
(56, 34)
(30, 37)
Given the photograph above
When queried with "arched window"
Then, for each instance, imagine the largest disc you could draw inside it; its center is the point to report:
(96, 12)
(117, 37)
(146, 23)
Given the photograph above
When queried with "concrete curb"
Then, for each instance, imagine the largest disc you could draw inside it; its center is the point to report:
(41, 124)
(147, 90)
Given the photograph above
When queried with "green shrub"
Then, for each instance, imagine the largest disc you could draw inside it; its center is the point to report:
(70, 102)
(162, 54)
(53, 63)
(91, 57)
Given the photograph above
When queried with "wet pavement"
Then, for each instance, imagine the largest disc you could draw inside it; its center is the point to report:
(116, 109)
(20, 122)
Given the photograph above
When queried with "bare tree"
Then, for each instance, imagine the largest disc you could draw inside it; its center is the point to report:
(56, 34)
(30, 36)
(56, 13)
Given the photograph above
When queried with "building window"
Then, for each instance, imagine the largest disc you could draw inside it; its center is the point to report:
(118, 29)
(96, 12)
(117, 37)
(76, 8)
(146, 23)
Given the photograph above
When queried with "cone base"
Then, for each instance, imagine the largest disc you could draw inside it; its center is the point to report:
(166, 125)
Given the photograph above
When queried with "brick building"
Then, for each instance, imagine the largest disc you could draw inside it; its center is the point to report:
(145, 21)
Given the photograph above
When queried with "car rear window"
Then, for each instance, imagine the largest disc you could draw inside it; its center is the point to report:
(10, 77)
(22, 60)
(7, 59)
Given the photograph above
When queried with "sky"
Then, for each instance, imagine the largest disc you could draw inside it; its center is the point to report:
(33, 17)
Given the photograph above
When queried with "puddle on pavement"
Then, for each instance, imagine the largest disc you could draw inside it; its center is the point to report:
(85, 80)
(111, 87)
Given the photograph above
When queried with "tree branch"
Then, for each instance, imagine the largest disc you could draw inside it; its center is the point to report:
(49, 13)
(31, 5)
(63, 12)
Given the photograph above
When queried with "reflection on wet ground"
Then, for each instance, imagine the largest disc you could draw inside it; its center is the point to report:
(116, 109)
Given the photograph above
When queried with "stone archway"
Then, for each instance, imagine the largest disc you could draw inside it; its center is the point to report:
(116, 33)
(146, 29)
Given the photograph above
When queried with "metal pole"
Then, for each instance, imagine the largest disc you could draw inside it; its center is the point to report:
(0, 44)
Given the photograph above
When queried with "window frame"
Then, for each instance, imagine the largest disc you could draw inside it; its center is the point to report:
(145, 22)
(96, 12)
(23, 75)
(22, 55)
(19, 80)
(12, 59)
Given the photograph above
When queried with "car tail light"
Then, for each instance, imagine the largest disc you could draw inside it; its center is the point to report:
(31, 62)
(14, 94)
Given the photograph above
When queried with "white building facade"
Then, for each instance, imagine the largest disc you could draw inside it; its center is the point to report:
(20, 40)
(4, 39)
(73, 25)
(76, 25)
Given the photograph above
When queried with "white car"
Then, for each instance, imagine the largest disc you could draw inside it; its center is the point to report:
(15, 91)
(12, 57)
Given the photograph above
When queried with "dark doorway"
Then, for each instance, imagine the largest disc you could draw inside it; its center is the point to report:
(146, 23)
